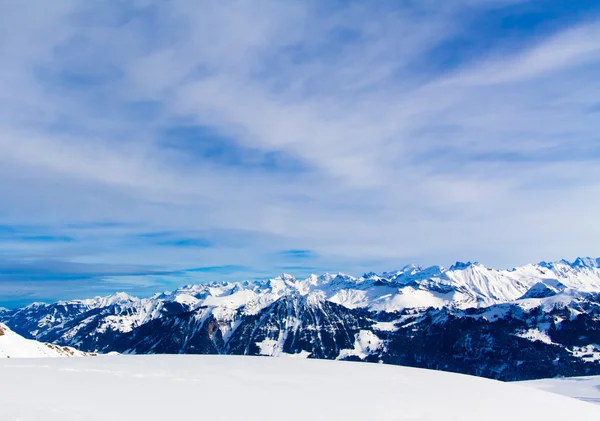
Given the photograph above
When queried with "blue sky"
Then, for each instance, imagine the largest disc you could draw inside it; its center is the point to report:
(147, 144)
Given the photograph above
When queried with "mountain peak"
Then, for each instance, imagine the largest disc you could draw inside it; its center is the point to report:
(410, 267)
(462, 265)
(587, 262)
(36, 304)
(539, 290)
(580, 262)
(116, 298)
(286, 277)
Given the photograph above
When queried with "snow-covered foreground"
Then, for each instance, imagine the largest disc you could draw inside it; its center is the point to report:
(16, 346)
(584, 388)
(258, 388)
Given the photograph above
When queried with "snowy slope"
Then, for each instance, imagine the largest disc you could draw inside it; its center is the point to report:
(15, 346)
(584, 388)
(252, 388)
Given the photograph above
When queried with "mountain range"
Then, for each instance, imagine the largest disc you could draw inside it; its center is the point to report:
(536, 321)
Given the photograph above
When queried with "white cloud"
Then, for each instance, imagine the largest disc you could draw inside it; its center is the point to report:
(400, 160)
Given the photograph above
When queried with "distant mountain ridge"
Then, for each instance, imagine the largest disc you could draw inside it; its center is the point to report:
(539, 320)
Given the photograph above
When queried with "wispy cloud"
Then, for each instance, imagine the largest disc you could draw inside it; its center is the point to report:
(299, 254)
(371, 135)
(45, 280)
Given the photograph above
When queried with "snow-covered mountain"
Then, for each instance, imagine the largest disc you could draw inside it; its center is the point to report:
(13, 345)
(529, 322)
(227, 388)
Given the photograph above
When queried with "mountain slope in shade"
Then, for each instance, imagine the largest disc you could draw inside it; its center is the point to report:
(13, 345)
(233, 388)
(583, 388)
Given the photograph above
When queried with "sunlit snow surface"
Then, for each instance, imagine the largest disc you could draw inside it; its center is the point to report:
(13, 345)
(258, 388)
(583, 388)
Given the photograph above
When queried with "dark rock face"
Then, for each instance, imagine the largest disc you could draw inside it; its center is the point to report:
(490, 342)
(322, 329)
(484, 348)
(183, 333)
